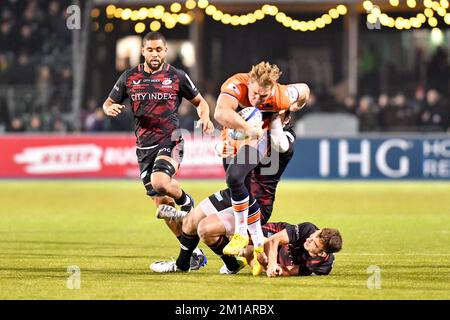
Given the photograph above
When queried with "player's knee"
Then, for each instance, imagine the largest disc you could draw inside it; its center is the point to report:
(162, 173)
(204, 231)
(145, 176)
(151, 192)
(160, 182)
(234, 178)
(159, 187)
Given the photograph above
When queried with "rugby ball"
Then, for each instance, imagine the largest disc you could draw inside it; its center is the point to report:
(252, 115)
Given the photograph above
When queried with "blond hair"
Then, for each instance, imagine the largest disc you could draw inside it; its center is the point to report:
(265, 74)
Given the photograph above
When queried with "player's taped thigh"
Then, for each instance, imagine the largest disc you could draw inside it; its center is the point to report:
(163, 165)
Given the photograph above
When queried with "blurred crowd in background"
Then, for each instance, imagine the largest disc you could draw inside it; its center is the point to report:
(36, 76)
(35, 65)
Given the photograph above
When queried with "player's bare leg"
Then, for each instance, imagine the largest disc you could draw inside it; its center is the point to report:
(211, 229)
(184, 229)
(188, 243)
(175, 220)
(164, 169)
(174, 226)
(164, 184)
(212, 232)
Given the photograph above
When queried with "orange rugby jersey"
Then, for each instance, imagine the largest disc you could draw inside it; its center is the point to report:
(236, 86)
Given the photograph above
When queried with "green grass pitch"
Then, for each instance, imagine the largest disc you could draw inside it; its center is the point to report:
(108, 229)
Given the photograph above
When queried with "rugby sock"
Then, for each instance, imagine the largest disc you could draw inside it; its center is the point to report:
(188, 244)
(217, 248)
(179, 238)
(183, 200)
(254, 225)
(239, 200)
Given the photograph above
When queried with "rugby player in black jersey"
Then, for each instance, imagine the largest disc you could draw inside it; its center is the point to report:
(295, 249)
(155, 90)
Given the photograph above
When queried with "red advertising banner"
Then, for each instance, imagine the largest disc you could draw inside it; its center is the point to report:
(95, 156)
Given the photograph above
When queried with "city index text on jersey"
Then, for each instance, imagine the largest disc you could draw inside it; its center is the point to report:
(152, 96)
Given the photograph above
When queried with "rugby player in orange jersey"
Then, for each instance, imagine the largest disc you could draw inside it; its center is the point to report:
(258, 88)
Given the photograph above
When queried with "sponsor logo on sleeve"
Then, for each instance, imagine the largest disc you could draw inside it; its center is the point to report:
(234, 88)
(292, 94)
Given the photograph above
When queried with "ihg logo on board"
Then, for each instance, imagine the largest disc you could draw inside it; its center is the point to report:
(389, 158)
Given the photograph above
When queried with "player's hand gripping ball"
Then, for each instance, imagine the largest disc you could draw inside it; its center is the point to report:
(252, 116)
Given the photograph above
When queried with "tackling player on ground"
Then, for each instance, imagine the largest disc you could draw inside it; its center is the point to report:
(297, 250)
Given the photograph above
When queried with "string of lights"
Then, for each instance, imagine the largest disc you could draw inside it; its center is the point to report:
(170, 18)
(174, 15)
(374, 14)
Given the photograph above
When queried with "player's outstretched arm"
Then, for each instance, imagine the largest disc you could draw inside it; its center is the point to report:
(271, 247)
(111, 108)
(203, 113)
(303, 96)
(279, 139)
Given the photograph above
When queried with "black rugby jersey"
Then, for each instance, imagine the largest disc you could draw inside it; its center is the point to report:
(264, 181)
(154, 99)
(294, 253)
